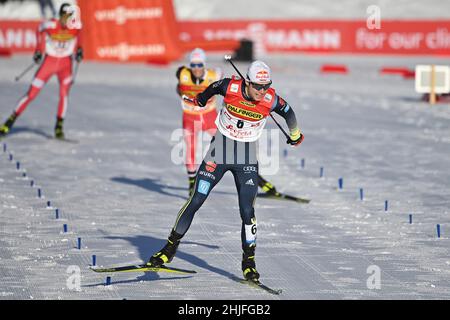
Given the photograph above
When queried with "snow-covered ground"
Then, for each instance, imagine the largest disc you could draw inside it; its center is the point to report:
(119, 190)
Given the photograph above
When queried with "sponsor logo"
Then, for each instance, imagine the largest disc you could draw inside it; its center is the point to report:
(248, 104)
(237, 133)
(250, 182)
(211, 166)
(262, 75)
(249, 169)
(203, 187)
(242, 112)
(122, 14)
(268, 97)
(234, 88)
(207, 175)
(17, 38)
(62, 36)
(123, 51)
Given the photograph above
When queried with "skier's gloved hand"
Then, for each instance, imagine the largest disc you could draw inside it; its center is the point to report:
(295, 137)
(79, 54)
(37, 57)
(192, 101)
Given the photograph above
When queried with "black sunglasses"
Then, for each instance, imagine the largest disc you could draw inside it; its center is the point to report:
(197, 65)
(258, 86)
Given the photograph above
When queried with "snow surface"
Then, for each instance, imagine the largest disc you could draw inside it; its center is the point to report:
(120, 192)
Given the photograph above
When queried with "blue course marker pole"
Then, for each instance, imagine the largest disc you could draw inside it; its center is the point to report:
(24, 174)
(94, 260)
(65, 228)
(302, 163)
(39, 193)
(31, 183)
(108, 280)
(361, 194)
(49, 204)
(79, 243)
(410, 219)
(285, 153)
(341, 183)
(11, 157)
(18, 165)
(385, 205)
(57, 213)
(438, 230)
(321, 172)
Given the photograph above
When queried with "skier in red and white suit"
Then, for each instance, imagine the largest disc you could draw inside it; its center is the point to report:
(192, 81)
(59, 42)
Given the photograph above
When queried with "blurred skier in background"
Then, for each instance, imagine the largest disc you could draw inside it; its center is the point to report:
(44, 4)
(191, 81)
(57, 44)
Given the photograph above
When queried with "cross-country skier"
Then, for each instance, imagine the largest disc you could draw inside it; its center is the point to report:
(247, 103)
(59, 43)
(191, 81)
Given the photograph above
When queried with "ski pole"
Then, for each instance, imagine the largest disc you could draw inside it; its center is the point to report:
(25, 71)
(228, 58)
(75, 72)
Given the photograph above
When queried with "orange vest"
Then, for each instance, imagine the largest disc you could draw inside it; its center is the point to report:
(240, 119)
(187, 87)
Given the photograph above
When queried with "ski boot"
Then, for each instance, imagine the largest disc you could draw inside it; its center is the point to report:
(191, 177)
(59, 132)
(249, 265)
(4, 129)
(166, 254)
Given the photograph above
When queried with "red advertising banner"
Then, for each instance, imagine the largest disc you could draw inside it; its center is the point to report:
(18, 36)
(341, 36)
(129, 30)
(143, 30)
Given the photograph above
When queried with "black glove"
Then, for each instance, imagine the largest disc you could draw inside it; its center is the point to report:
(192, 101)
(37, 57)
(79, 54)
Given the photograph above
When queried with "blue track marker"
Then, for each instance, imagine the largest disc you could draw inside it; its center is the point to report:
(410, 219)
(438, 230)
(361, 194)
(79, 243)
(321, 172)
(341, 183)
(385, 205)
(108, 281)
(94, 260)
(57, 213)
(65, 228)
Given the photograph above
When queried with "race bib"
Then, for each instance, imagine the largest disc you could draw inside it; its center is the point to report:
(60, 48)
(239, 129)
